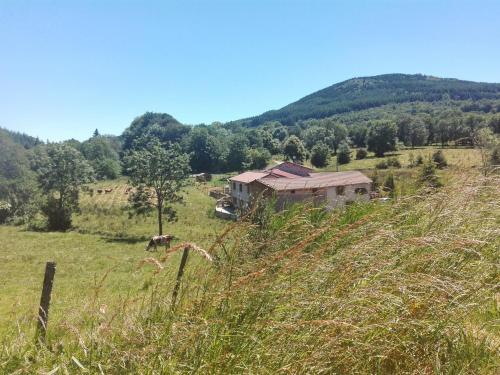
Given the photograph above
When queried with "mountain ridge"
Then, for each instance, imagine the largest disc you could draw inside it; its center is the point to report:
(360, 93)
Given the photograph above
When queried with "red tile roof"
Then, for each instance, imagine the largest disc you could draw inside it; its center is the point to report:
(247, 177)
(316, 180)
(279, 173)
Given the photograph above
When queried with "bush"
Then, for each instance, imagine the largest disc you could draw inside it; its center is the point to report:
(4, 211)
(428, 175)
(419, 160)
(344, 153)
(381, 165)
(393, 162)
(439, 159)
(495, 156)
(320, 154)
(361, 153)
(389, 184)
(58, 217)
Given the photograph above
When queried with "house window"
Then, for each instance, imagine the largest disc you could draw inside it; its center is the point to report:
(234, 185)
(248, 189)
(292, 191)
(340, 190)
(241, 187)
(361, 191)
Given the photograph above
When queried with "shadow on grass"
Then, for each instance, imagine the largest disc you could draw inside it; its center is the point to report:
(124, 239)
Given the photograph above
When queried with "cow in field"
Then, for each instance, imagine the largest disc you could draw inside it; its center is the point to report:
(160, 240)
(108, 190)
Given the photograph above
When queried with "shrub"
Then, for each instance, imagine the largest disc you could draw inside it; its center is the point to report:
(393, 162)
(428, 175)
(495, 156)
(389, 184)
(344, 153)
(4, 211)
(58, 216)
(319, 155)
(361, 153)
(439, 159)
(419, 160)
(381, 165)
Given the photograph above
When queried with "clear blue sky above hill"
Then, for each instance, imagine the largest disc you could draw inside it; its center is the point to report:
(68, 67)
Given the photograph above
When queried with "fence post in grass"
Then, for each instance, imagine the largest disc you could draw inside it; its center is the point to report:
(179, 275)
(43, 310)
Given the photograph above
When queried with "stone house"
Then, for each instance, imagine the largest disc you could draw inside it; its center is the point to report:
(290, 183)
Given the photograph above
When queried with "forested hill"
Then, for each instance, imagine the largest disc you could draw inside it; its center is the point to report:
(25, 140)
(368, 92)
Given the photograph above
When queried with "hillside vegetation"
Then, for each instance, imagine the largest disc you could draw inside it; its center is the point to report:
(368, 92)
(409, 287)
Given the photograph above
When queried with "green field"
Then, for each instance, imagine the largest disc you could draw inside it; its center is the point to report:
(408, 287)
(104, 242)
(457, 157)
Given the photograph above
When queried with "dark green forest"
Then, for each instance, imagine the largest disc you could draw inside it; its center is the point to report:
(368, 92)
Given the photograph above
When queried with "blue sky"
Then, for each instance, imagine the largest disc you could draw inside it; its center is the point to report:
(68, 67)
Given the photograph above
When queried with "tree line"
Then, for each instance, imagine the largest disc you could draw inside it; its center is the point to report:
(47, 177)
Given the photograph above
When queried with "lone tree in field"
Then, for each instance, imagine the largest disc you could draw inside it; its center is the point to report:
(163, 169)
(343, 153)
(382, 138)
(61, 175)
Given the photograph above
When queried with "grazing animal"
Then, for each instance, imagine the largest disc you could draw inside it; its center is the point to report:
(108, 190)
(99, 191)
(160, 240)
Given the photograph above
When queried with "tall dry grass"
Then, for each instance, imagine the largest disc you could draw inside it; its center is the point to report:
(407, 288)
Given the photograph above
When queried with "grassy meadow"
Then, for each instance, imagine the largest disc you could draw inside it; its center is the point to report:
(456, 157)
(104, 243)
(408, 287)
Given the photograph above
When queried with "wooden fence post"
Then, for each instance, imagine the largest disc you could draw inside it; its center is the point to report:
(179, 275)
(43, 310)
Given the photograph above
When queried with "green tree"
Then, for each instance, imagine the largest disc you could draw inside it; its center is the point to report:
(313, 135)
(18, 187)
(294, 150)
(165, 170)
(280, 133)
(344, 153)
(320, 155)
(382, 138)
(417, 133)
(160, 126)
(61, 177)
(257, 158)
(237, 153)
(206, 150)
(358, 134)
(340, 134)
(103, 157)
